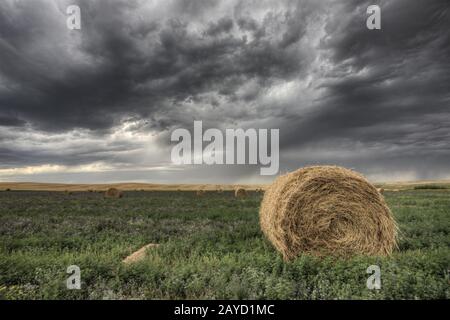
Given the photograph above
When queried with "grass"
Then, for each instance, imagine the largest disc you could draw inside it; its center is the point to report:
(429, 186)
(211, 248)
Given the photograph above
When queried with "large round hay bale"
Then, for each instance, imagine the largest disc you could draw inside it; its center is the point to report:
(200, 193)
(240, 193)
(113, 193)
(324, 210)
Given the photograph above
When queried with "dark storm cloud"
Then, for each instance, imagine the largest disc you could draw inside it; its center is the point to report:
(376, 100)
(224, 25)
(386, 86)
(11, 121)
(121, 64)
(75, 152)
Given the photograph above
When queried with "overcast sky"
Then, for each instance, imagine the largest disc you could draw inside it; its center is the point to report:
(99, 104)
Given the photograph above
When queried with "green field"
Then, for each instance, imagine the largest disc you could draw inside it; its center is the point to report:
(211, 247)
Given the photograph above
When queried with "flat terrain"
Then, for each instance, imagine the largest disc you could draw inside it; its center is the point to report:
(209, 247)
(34, 186)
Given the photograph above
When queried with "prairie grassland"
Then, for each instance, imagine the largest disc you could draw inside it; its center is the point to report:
(211, 247)
(33, 186)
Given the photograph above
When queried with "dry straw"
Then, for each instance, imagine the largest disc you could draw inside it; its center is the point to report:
(324, 210)
(140, 254)
(113, 193)
(240, 193)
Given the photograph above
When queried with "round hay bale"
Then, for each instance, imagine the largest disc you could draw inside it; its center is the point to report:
(113, 193)
(200, 193)
(240, 193)
(380, 190)
(327, 210)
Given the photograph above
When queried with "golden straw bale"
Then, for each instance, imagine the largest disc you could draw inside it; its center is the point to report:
(240, 193)
(327, 210)
(113, 193)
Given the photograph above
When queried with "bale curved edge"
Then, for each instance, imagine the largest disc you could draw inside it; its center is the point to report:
(327, 210)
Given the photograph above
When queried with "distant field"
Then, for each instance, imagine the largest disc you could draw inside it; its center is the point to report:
(425, 184)
(210, 247)
(33, 186)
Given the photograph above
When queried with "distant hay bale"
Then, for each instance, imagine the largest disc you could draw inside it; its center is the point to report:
(140, 254)
(380, 190)
(7, 189)
(324, 210)
(113, 193)
(200, 193)
(240, 193)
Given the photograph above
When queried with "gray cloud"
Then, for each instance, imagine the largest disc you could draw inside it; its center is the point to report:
(340, 93)
(120, 64)
(388, 87)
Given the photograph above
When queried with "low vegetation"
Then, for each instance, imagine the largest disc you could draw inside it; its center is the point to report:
(429, 187)
(210, 247)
